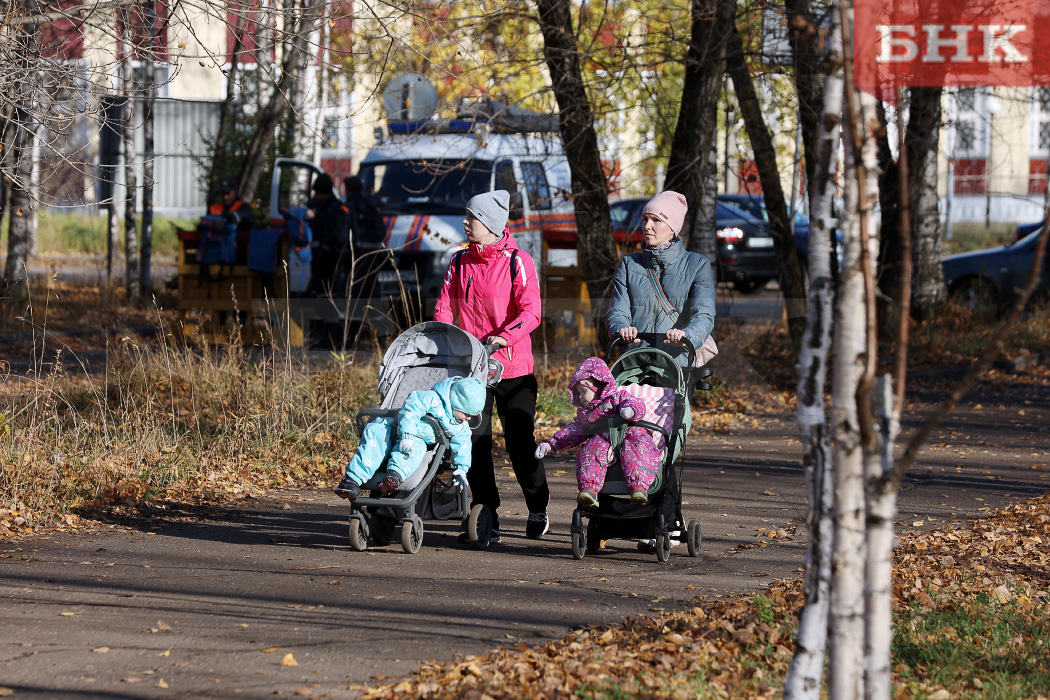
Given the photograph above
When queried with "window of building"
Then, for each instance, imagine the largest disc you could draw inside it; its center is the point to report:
(970, 176)
(1038, 139)
(141, 75)
(969, 125)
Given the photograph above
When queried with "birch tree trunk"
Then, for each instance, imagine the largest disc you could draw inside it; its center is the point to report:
(131, 272)
(264, 44)
(35, 155)
(23, 128)
(846, 643)
(847, 629)
(590, 191)
(803, 680)
(296, 53)
(18, 229)
(321, 74)
(776, 206)
(880, 503)
(693, 143)
(924, 129)
(149, 14)
(852, 414)
(878, 587)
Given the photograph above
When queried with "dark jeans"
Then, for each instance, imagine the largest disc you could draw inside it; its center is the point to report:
(323, 270)
(516, 406)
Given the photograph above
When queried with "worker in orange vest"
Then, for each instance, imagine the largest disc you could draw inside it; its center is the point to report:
(232, 206)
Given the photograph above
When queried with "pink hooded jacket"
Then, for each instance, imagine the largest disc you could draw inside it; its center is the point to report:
(607, 403)
(478, 289)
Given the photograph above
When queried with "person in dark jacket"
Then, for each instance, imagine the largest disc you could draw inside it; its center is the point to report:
(329, 219)
(368, 233)
(232, 206)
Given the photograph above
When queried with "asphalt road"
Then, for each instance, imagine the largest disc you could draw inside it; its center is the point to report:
(207, 604)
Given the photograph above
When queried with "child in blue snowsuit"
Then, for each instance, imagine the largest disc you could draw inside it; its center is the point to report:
(453, 402)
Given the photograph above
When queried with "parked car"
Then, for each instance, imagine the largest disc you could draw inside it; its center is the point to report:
(991, 279)
(1025, 229)
(745, 247)
(755, 205)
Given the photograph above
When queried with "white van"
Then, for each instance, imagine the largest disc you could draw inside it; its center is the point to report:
(423, 173)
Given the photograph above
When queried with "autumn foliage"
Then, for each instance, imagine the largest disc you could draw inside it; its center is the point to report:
(993, 572)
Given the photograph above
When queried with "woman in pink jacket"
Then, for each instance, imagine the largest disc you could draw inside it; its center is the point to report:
(492, 288)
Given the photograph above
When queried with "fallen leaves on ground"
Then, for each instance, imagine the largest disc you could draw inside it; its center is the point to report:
(741, 647)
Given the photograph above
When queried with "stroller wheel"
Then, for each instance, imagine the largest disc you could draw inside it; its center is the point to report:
(663, 548)
(358, 534)
(412, 534)
(692, 538)
(579, 544)
(479, 526)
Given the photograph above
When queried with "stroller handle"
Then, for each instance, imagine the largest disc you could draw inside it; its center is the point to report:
(495, 367)
(653, 339)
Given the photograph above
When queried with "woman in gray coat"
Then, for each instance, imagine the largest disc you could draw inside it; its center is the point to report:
(665, 288)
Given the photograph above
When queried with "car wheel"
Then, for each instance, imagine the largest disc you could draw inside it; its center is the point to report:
(749, 286)
(978, 294)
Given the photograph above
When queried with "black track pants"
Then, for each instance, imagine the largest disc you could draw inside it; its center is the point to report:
(516, 407)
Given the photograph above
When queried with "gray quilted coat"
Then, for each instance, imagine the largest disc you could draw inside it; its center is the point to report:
(686, 280)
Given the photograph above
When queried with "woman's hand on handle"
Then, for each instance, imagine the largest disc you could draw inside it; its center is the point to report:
(675, 335)
(497, 340)
(629, 334)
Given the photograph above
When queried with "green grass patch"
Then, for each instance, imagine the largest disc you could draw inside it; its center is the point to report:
(976, 236)
(978, 646)
(75, 234)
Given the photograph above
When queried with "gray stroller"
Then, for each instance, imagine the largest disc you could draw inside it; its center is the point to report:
(417, 359)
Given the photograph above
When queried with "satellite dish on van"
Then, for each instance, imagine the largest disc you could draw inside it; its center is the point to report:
(409, 97)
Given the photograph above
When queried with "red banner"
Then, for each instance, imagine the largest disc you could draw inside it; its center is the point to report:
(950, 43)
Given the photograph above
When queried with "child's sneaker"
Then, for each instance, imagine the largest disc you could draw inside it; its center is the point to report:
(390, 484)
(348, 489)
(587, 500)
(639, 497)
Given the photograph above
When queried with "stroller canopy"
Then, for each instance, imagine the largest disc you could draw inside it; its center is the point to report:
(442, 349)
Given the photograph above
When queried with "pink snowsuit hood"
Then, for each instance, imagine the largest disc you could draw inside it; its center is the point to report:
(595, 369)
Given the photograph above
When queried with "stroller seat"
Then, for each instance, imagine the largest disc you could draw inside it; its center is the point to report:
(659, 409)
(414, 479)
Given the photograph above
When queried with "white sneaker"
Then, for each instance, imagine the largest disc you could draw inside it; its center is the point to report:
(649, 546)
(537, 526)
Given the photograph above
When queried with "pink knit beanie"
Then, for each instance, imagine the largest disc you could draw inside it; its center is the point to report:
(670, 207)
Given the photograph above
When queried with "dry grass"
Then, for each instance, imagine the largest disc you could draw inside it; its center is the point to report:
(181, 422)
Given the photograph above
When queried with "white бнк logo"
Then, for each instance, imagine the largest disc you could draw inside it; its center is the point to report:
(996, 38)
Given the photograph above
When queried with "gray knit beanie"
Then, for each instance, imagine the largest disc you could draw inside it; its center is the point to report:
(491, 209)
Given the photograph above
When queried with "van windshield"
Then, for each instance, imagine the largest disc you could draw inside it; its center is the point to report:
(437, 185)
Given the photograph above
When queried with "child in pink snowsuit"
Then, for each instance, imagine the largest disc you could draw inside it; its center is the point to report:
(594, 393)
